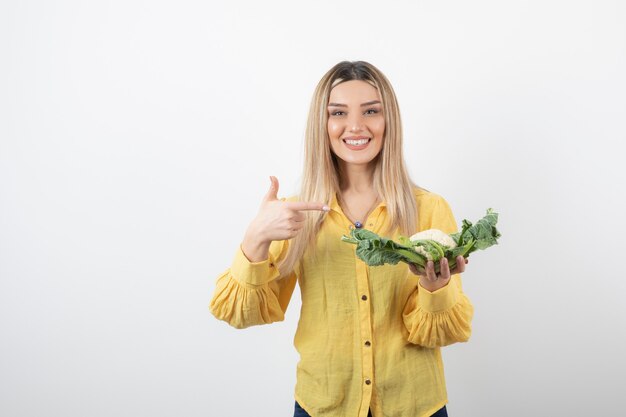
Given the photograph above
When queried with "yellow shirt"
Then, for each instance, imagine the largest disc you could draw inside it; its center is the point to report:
(368, 337)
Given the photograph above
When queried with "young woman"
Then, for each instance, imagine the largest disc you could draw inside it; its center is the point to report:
(369, 338)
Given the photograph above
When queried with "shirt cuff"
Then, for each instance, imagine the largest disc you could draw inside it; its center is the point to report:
(253, 273)
(439, 300)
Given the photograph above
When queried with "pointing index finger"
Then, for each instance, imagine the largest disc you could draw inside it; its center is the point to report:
(303, 205)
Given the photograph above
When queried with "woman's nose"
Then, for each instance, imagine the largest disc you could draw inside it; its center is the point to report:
(355, 124)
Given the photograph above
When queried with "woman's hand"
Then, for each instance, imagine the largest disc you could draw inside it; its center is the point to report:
(276, 220)
(431, 281)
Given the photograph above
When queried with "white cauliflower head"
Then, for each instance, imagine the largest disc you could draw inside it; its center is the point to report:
(436, 235)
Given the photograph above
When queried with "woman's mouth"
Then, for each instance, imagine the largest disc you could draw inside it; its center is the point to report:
(357, 144)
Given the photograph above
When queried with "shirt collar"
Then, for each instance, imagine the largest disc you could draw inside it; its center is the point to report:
(334, 203)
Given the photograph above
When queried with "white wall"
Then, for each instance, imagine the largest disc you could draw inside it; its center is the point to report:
(137, 138)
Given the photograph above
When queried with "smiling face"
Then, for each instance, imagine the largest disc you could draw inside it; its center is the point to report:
(356, 124)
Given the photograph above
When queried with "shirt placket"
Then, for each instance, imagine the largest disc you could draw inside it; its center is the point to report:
(365, 320)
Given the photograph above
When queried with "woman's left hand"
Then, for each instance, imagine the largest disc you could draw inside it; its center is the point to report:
(431, 281)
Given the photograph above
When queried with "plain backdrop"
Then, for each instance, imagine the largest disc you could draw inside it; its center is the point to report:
(137, 138)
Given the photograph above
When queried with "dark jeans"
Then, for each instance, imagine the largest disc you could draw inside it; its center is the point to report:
(299, 412)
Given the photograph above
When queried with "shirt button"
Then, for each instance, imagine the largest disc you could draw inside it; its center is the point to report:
(367, 343)
(364, 297)
(367, 382)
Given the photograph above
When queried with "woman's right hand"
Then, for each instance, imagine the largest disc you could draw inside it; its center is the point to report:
(277, 220)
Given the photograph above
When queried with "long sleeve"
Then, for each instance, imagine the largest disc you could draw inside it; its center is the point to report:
(439, 318)
(444, 316)
(249, 293)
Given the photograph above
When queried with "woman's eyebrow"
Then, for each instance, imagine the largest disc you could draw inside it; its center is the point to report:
(369, 103)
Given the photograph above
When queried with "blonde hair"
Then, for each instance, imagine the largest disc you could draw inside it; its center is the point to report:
(320, 177)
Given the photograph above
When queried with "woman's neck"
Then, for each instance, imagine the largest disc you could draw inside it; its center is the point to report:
(356, 179)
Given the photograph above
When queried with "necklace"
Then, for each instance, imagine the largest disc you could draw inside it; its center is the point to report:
(357, 223)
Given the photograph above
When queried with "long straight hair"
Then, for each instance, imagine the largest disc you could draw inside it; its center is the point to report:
(320, 178)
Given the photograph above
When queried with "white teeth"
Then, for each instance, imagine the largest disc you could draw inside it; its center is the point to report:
(357, 142)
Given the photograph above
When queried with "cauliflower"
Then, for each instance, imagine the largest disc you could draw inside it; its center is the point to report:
(436, 235)
(428, 245)
(432, 243)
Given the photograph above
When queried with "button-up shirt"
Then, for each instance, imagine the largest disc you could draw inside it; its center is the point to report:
(368, 337)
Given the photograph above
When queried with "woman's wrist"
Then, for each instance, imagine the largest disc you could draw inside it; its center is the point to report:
(431, 286)
(256, 249)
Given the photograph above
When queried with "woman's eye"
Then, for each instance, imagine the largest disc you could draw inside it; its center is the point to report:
(368, 112)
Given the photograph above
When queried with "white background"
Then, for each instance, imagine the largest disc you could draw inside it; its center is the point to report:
(137, 138)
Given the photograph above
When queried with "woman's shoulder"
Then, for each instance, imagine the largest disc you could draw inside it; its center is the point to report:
(434, 212)
(427, 199)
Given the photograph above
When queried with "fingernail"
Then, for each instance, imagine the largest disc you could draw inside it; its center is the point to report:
(326, 208)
